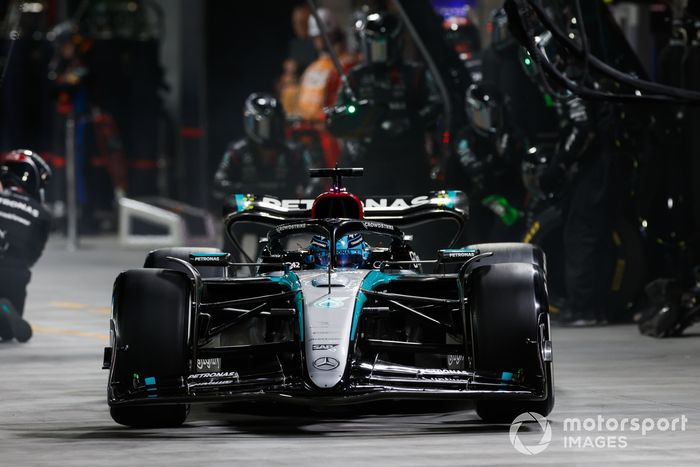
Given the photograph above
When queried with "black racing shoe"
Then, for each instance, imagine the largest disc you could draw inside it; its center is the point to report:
(13, 323)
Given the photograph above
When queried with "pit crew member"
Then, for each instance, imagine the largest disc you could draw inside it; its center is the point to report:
(24, 230)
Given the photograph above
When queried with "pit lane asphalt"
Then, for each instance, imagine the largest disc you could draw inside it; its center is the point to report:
(53, 409)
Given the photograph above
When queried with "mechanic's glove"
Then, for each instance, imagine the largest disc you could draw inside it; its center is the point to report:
(500, 206)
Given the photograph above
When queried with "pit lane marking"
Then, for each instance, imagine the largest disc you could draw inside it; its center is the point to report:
(69, 332)
(101, 310)
(67, 305)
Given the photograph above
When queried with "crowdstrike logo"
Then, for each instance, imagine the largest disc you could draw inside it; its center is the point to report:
(525, 446)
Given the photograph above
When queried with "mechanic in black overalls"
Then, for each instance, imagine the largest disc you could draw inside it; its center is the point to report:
(531, 115)
(395, 103)
(485, 164)
(262, 162)
(24, 229)
(581, 169)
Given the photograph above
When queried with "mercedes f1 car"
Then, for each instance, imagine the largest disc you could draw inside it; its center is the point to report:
(339, 309)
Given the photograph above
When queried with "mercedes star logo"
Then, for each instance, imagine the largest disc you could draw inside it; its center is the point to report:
(326, 363)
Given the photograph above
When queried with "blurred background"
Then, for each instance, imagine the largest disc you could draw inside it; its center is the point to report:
(173, 76)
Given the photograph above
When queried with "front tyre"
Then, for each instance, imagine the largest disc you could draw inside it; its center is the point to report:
(508, 304)
(150, 315)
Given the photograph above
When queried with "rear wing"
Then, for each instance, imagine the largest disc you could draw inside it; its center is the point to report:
(401, 211)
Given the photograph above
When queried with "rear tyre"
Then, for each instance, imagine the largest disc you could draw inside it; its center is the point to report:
(508, 305)
(149, 337)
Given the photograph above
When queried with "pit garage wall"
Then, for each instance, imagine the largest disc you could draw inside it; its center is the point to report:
(184, 60)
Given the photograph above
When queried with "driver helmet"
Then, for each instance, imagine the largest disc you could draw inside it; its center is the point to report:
(351, 251)
(263, 119)
(26, 172)
(380, 37)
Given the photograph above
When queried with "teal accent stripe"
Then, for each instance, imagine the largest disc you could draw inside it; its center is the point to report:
(240, 202)
(209, 254)
(150, 381)
(371, 281)
(291, 281)
(460, 250)
(359, 303)
(299, 302)
(453, 197)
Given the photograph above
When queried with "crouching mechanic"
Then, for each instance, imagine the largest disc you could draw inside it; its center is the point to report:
(24, 229)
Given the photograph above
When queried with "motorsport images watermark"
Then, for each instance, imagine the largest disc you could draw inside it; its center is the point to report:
(589, 433)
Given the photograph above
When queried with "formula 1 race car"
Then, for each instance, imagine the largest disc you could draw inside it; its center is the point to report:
(339, 309)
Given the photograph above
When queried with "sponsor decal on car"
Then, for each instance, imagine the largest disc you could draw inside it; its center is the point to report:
(461, 253)
(377, 225)
(208, 364)
(215, 375)
(284, 228)
(455, 362)
(457, 254)
(210, 259)
(331, 347)
(216, 382)
(326, 363)
(395, 204)
(205, 259)
(286, 204)
(331, 302)
(246, 202)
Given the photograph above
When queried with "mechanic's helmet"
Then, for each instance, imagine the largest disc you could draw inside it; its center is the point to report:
(351, 251)
(62, 33)
(485, 109)
(380, 35)
(263, 119)
(68, 41)
(330, 25)
(25, 171)
(501, 37)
